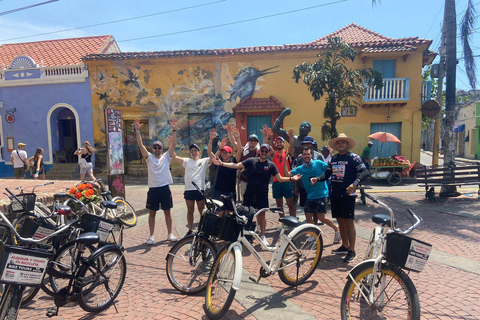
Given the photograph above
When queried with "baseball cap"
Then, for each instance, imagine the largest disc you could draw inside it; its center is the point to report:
(157, 143)
(279, 138)
(253, 136)
(325, 148)
(370, 143)
(20, 144)
(193, 145)
(227, 149)
(265, 145)
(309, 139)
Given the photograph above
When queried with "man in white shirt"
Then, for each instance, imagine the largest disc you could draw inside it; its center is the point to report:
(195, 170)
(159, 179)
(19, 160)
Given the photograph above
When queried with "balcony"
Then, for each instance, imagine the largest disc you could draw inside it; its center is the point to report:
(395, 92)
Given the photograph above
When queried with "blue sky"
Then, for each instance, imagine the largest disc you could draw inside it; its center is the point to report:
(226, 23)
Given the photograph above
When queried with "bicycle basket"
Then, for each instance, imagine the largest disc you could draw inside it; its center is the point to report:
(23, 266)
(35, 230)
(209, 224)
(406, 252)
(103, 227)
(230, 228)
(28, 200)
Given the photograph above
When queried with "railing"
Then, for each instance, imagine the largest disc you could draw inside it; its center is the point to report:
(394, 89)
(426, 91)
(57, 74)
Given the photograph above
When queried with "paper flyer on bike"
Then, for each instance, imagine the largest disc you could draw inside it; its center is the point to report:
(24, 269)
(103, 230)
(418, 255)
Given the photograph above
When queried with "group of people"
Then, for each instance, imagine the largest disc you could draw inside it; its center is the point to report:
(315, 176)
(22, 164)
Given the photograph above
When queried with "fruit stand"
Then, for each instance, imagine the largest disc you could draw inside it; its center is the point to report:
(393, 169)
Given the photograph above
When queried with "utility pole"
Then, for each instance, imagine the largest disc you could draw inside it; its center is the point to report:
(439, 98)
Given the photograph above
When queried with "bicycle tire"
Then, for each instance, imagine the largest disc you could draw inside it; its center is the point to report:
(125, 213)
(11, 303)
(400, 293)
(219, 292)
(63, 262)
(310, 242)
(189, 264)
(102, 272)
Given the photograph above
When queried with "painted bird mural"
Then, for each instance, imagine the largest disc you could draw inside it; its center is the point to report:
(245, 82)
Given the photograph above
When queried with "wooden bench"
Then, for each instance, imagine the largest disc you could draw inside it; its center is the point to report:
(462, 175)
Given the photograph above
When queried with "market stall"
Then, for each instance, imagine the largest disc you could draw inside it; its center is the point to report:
(394, 169)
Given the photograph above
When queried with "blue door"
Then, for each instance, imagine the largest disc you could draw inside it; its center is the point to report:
(387, 149)
(255, 124)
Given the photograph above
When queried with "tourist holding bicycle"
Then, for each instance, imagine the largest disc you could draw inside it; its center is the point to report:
(316, 193)
(347, 171)
(260, 169)
(159, 178)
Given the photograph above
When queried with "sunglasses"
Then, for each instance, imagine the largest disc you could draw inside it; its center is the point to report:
(263, 151)
(157, 148)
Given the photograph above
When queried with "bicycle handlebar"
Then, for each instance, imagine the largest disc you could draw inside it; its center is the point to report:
(418, 220)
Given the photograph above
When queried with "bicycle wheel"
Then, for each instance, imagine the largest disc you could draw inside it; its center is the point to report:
(102, 281)
(300, 260)
(189, 264)
(64, 262)
(10, 302)
(394, 295)
(220, 294)
(125, 213)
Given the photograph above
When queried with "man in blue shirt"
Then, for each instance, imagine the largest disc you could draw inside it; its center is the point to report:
(316, 193)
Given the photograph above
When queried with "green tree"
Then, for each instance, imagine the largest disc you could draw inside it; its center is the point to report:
(330, 77)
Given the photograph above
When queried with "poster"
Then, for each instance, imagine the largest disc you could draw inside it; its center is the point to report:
(115, 142)
(418, 255)
(20, 268)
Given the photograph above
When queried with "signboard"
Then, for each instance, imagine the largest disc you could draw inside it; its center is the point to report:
(113, 119)
(430, 108)
(25, 269)
(349, 111)
(418, 255)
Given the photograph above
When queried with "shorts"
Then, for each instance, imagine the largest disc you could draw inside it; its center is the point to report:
(87, 169)
(157, 196)
(19, 172)
(315, 205)
(258, 200)
(193, 195)
(343, 207)
(227, 204)
(282, 190)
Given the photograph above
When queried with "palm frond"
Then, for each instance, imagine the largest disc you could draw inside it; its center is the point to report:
(466, 28)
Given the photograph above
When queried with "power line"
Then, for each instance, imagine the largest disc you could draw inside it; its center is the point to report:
(232, 23)
(27, 7)
(434, 21)
(116, 21)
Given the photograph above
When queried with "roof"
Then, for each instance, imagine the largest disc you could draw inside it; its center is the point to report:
(357, 36)
(57, 52)
(255, 104)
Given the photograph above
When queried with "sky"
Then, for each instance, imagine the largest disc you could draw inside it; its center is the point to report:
(158, 25)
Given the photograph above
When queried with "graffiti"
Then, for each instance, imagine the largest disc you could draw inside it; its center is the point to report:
(246, 81)
(118, 185)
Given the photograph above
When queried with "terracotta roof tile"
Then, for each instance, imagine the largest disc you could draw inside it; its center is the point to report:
(359, 37)
(251, 104)
(55, 52)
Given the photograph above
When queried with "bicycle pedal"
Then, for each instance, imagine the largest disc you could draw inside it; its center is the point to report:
(52, 312)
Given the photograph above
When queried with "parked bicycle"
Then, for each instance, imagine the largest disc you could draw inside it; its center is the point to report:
(294, 256)
(379, 288)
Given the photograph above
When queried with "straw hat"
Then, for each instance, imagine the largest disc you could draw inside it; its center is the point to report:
(342, 136)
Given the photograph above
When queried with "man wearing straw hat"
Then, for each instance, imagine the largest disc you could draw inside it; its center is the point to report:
(347, 171)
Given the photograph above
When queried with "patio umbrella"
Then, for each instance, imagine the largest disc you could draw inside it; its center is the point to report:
(384, 137)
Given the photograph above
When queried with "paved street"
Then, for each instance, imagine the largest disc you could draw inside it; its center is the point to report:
(448, 286)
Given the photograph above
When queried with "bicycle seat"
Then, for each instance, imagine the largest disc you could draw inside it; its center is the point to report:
(382, 219)
(218, 203)
(290, 221)
(60, 195)
(108, 204)
(63, 210)
(88, 238)
(106, 193)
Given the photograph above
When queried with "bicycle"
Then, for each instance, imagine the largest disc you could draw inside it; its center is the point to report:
(86, 275)
(190, 260)
(294, 256)
(379, 288)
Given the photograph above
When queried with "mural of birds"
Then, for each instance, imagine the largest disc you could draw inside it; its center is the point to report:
(245, 82)
(132, 79)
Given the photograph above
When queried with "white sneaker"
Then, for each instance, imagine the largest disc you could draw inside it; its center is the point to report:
(265, 241)
(150, 240)
(337, 238)
(172, 238)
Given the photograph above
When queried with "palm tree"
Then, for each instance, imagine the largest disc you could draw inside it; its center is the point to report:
(342, 86)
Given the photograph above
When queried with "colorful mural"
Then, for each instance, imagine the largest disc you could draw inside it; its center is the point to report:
(200, 98)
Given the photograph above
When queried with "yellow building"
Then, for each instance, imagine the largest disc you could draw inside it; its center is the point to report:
(201, 87)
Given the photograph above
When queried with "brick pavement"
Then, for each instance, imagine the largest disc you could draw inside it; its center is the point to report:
(446, 291)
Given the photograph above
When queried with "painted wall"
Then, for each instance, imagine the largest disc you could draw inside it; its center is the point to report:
(34, 106)
(159, 89)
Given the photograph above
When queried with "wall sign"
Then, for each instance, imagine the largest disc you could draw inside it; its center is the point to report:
(10, 144)
(10, 118)
(349, 111)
